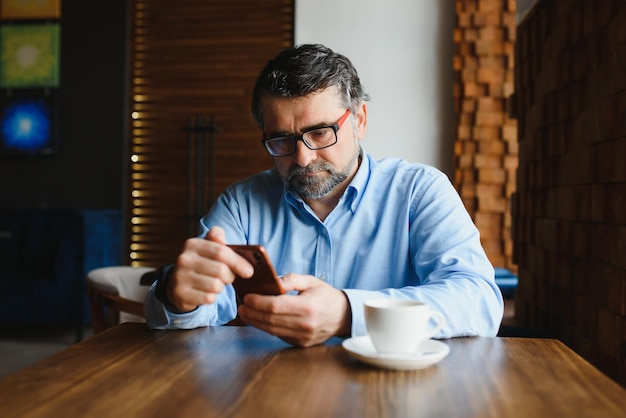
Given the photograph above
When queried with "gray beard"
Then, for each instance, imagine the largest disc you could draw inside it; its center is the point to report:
(314, 187)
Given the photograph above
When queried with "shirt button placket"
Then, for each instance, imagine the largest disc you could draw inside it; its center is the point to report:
(323, 260)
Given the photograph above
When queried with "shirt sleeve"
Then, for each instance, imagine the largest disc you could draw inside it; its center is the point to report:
(159, 317)
(224, 309)
(456, 277)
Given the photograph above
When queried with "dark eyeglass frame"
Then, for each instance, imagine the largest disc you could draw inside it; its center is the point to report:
(296, 138)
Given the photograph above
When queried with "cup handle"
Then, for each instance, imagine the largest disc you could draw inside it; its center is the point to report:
(438, 316)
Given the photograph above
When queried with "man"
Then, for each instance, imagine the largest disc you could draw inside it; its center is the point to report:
(339, 227)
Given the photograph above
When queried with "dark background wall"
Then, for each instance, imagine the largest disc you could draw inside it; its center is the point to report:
(87, 167)
(570, 222)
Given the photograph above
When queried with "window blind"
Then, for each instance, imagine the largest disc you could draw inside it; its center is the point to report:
(192, 68)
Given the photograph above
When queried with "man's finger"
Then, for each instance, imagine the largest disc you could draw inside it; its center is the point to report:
(216, 234)
(298, 282)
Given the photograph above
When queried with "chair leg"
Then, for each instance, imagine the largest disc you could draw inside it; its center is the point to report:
(96, 307)
(79, 332)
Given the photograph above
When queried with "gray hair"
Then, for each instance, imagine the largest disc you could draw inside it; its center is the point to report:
(305, 69)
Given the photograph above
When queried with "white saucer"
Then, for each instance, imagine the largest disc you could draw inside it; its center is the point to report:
(361, 348)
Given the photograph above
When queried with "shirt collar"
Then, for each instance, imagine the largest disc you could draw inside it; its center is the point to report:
(354, 192)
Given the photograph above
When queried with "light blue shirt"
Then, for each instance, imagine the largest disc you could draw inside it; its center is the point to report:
(400, 230)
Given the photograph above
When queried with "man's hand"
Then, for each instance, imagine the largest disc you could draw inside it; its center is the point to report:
(203, 269)
(316, 314)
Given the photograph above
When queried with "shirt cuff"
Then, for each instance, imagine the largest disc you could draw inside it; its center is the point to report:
(357, 298)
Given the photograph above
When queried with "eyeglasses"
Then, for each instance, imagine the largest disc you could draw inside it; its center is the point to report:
(314, 139)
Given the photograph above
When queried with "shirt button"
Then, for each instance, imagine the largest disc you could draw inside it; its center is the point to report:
(323, 277)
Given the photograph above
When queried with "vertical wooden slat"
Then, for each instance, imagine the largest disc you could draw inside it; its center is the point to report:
(192, 59)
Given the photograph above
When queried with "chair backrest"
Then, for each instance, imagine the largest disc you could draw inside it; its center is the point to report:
(116, 294)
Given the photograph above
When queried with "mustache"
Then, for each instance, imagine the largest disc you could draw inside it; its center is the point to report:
(311, 168)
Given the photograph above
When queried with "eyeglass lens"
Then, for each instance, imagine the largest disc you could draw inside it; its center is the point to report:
(315, 139)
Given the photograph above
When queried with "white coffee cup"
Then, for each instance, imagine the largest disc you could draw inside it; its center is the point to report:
(399, 326)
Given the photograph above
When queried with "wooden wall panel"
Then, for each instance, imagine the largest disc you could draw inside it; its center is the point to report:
(192, 60)
(486, 139)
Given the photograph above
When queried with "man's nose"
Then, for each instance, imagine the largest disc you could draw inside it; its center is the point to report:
(304, 155)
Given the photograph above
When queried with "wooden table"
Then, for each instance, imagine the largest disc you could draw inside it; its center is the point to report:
(129, 371)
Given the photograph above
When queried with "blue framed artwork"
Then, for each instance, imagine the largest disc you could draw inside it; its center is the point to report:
(27, 122)
(29, 55)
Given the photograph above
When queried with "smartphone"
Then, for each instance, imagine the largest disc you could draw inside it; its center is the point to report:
(264, 280)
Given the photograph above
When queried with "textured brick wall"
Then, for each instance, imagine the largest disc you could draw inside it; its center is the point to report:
(569, 209)
(486, 138)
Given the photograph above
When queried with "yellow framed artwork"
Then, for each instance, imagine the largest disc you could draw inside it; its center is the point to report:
(30, 55)
(30, 9)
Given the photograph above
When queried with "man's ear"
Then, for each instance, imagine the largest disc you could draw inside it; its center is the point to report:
(361, 120)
